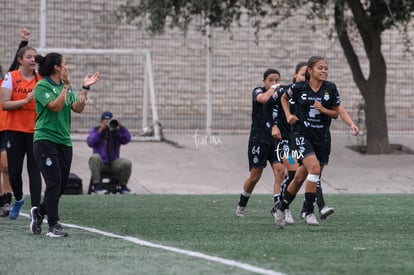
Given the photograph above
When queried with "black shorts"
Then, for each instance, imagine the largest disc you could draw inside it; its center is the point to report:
(303, 147)
(3, 141)
(259, 154)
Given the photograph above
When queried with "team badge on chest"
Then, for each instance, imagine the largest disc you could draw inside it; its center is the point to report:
(326, 96)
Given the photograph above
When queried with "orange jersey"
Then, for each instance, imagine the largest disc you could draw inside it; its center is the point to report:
(3, 114)
(22, 119)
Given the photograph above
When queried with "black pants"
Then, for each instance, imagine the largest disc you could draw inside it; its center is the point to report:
(18, 145)
(54, 161)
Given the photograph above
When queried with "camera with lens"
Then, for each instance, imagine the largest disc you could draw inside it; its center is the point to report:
(113, 124)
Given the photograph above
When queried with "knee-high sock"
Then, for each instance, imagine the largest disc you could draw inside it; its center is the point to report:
(319, 196)
(309, 202)
(287, 200)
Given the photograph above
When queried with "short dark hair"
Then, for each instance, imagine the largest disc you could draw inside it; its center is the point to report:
(270, 71)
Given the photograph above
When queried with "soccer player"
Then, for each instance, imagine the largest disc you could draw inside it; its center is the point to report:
(5, 187)
(261, 148)
(317, 102)
(17, 99)
(280, 131)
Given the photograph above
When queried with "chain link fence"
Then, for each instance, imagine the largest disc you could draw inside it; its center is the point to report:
(180, 65)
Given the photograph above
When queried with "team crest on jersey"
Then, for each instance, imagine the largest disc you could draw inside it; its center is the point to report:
(47, 95)
(48, 162)
(326, 97)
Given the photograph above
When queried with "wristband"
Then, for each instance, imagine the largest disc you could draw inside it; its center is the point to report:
(85, 87)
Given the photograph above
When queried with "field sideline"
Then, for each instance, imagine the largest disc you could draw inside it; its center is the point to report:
(199, 234)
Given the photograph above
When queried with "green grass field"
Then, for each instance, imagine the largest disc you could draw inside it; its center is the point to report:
(176, 234)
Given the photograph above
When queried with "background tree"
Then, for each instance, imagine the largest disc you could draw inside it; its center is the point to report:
(364, 19)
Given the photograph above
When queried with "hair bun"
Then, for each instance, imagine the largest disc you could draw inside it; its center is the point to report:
(40, 59)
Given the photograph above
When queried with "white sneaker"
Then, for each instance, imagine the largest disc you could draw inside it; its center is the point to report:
(325, 212)
(311, 219)
(101, 192)
(289, 217)
(302, 215)
(56, 231)
(280, 218)
(241, 211)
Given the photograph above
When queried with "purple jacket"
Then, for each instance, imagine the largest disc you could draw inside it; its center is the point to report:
(108, 143)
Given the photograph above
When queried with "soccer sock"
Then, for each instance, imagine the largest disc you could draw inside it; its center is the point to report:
(1, 201)
(303, 206)
(244, 198)
(276, 198)
(309, 202)
(7, 198)
(286, 181)
(287, 199)
(284, 184)
(319, 196)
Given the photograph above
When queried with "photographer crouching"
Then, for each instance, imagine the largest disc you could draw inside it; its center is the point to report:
(106, 140)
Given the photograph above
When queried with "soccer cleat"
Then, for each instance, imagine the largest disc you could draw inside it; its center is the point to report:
(289, 217)
(126, 191)
(56, 231)
(2, 214)
(280, 217)
(302, 214)
(325, 212)
(37, 219)
(241, 211)
(14, 212)
(311, 219)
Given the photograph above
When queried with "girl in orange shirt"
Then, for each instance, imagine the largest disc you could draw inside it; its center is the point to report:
(17, 99)
(5, 188)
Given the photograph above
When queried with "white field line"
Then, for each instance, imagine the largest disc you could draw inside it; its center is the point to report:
(190, 253)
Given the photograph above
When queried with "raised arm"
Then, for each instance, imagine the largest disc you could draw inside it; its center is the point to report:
(268, 113)
(25, 35)
(89, 80)
(262, 98)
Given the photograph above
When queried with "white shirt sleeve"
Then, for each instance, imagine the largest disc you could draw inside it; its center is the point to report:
(7, 82)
